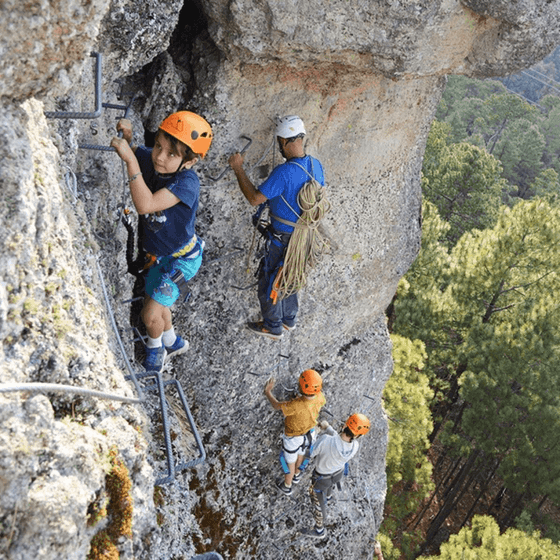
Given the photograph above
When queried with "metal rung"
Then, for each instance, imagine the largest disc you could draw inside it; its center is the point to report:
(84, 115)
(159, 386)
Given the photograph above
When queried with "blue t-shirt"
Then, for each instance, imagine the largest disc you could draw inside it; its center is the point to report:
(165, 232)
(287, 180)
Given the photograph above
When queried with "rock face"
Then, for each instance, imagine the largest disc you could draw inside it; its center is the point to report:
(366, 78)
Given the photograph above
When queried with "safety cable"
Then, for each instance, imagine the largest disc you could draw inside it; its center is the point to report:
(55, 387)
(116, 331)
(71, 183)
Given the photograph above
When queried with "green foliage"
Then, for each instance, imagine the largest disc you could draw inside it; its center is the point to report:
(550, 128)
(422, 306)
(524, 522)
(506, 281)
(463, 181)
(389, 550)
(460, 88)
(407, 396)
(525, 139)
(546, 185)
(481, 297)
(520, 150)
(490, 319)
(483, 541)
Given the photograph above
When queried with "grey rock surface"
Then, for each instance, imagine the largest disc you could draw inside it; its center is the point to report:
(44, 45)
(366, 78)
(395, 38)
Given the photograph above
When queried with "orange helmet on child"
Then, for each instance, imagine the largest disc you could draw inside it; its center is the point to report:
(310, 382)
(189, 128)
(358, 424)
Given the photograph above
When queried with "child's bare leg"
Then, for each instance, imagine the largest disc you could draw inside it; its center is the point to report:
(156, 317)
(289, 477)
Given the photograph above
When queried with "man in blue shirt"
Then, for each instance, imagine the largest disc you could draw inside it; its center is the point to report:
(281, 190)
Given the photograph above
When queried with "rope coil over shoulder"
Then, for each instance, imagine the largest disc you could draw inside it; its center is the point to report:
(307, 244)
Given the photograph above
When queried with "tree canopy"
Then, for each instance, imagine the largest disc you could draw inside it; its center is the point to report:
(483, 541)
(487, 313)
(524, 138)
(462, 180)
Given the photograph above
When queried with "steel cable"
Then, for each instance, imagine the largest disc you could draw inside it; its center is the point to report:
(45, 387)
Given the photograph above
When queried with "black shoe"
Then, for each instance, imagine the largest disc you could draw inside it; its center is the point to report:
(259, 328)
(297, 477)
(283, 488)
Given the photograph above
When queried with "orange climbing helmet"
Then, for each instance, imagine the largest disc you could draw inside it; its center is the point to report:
(310, 382)
(189, 128)
(358, 424)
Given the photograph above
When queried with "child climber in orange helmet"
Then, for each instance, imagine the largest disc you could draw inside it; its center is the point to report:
(300, 420)
(331, 453)
(165, 191)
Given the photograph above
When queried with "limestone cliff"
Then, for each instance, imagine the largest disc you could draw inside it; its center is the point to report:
(366, 78)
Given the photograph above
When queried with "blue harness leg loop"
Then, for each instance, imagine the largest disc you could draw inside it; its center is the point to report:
(305, 462)
(285, 467)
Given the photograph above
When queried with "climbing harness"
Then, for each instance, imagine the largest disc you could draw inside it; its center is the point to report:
(260, 225)
(306, 447)
(179, 280)
(322, 486)
(187, 248)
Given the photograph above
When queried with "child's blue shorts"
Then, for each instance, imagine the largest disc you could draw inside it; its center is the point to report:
(159, 285)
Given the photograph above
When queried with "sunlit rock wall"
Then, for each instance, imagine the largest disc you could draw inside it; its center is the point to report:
(366, 78)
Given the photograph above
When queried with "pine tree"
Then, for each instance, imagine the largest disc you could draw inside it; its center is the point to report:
(406, 400)
(464, 182)
(483, 541)
(505, 281)
(489, 321)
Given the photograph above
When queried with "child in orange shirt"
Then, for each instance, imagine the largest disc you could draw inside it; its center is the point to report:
(300, 420)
